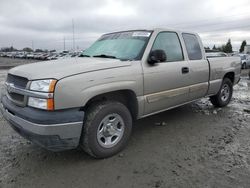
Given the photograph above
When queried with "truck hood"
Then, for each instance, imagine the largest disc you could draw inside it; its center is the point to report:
(61, 68)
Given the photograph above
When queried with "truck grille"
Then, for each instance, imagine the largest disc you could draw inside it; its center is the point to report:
(17, 97)
(19, 82)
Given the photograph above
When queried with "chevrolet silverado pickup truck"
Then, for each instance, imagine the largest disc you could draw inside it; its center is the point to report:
(91, 101)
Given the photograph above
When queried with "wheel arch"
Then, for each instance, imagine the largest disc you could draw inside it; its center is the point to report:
(125, 96)
(230, 75)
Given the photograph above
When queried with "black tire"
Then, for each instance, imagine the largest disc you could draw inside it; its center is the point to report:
(244, 66)
(219, 100)
(95, 114)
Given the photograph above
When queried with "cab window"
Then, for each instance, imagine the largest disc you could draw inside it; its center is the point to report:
(192, 46)
(170, 43)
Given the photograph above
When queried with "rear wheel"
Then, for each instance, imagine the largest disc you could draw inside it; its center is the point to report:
(223, 97)
(107, 129)
(244, 66)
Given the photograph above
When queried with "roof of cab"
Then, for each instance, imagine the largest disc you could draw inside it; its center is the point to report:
(153, 29)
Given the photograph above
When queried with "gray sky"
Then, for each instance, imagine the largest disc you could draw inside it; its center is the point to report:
(47, 22)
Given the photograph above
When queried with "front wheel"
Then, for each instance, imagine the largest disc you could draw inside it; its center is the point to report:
(223, 97)
(106, 129)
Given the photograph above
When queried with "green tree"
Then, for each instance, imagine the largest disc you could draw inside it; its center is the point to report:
(38, 50)
(214, 47)
(8, 49)
(243, 44)
(228, 47)
(27, 49)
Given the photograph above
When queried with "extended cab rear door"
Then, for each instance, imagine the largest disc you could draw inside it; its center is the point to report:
(198, 66)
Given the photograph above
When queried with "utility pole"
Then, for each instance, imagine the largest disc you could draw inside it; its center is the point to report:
(63, 43)
(73, 30)
(32, 44)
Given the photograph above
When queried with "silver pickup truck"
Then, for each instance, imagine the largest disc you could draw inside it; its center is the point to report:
(91, 101)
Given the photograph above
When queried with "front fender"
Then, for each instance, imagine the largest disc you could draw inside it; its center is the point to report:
(89, 93)
(77, 90)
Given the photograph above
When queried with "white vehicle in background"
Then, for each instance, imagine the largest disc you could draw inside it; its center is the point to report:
(52, 57)
(37, 55)
(245, 61)
(11, 54)
(20, 55)
(30, 55)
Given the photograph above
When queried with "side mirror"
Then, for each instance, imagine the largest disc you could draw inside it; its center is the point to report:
(157, 56)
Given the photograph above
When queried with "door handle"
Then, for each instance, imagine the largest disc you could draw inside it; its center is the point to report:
(185, 70)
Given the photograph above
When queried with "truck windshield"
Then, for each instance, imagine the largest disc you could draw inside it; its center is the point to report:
(128, 45)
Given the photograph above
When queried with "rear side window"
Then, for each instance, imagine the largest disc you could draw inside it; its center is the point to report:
(192, 46)
(169, 42)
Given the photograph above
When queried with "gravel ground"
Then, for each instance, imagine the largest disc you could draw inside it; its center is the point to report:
(194, 145)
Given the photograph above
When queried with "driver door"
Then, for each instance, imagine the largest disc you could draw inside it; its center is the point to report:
(166, 84)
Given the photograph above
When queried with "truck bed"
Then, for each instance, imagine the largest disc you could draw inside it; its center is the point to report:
(219, 66)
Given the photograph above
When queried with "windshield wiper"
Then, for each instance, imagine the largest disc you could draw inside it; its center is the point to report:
(83, 55)
(105, 56)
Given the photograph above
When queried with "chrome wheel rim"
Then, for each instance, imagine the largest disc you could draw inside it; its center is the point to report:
(225, 92)
(110, 130)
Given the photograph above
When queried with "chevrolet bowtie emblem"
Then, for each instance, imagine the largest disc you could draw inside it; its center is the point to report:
(10, 87)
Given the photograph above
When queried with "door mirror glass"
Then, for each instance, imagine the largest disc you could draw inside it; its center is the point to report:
(157, 56)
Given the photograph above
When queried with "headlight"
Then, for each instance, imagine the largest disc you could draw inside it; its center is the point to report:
(46, 104)
(47, 86)
(43, 85)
